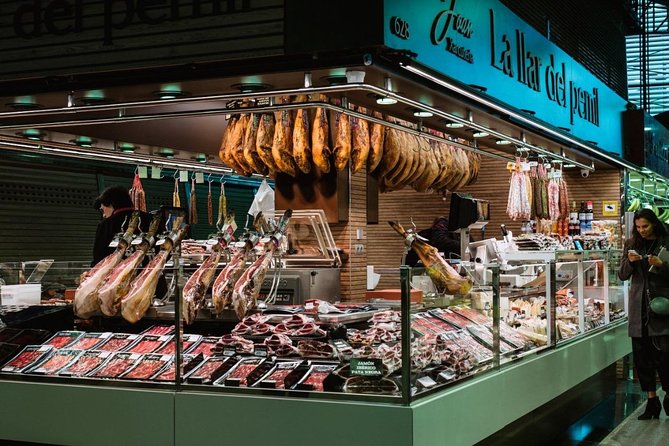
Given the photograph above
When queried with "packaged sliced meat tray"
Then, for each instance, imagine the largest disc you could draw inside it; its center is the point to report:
(188, 341)
(7, 333)
(30, 336)
(245, 373)
(205, 346)
(27, 358)
(116, 365)
(160, 330)
(210, 369)
(188, 363)
(283, 375)
(55, 361)
(148, 366)
(7, 351)
(89, 341)
(149, 343)
(315, 376)
(85, 363)
(118, 342)
(63, 338)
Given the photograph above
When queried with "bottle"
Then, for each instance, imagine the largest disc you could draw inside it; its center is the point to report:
(582, 217)
(589, 215)
(573, 219)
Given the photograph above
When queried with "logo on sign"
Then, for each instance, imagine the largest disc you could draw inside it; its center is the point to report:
(445, 24)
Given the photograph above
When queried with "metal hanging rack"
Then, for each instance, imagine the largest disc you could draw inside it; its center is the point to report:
(271, 106)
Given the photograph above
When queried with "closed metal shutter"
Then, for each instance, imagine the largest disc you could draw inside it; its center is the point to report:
(46, 205)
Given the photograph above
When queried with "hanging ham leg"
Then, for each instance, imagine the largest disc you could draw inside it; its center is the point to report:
(247, 288)
(86, 296)
(443, 275)
(138, 299)
(221, 293)
(117, 283)
(197, 285)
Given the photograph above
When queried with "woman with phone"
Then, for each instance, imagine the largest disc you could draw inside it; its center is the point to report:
(649, 234)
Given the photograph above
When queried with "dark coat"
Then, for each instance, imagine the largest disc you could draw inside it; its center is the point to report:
(109, 227)
(641, 279)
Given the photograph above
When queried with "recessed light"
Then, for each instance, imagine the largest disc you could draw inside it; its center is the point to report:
(167, 153)
(453, 124)
(201, 158)
(480, 134)
(422, 114)
(502, 142)
(385, 100)
(24, 103)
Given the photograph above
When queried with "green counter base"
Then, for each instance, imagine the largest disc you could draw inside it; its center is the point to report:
(461, 415)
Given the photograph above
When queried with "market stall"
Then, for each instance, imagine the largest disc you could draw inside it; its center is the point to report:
(271, 308)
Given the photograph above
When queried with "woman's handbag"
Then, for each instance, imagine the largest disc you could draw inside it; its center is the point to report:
(659, 305)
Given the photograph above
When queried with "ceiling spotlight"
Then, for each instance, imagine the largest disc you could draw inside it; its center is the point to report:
(422, 114)
(170, 91)
(126, 147)
(502, 142)
(385, 100)
(94, 97)
(167, 153)
(24, 103)
(83, 141)
(480, 134)
(34, 134)
(201, 158)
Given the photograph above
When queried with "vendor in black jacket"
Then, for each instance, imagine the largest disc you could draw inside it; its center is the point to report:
(440, 237)
(116, 206)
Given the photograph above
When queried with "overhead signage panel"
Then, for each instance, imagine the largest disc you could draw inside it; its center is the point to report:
(482, 43)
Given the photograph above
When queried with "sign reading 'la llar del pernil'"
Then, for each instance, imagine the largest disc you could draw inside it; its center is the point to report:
(509, 54)
(40, 18)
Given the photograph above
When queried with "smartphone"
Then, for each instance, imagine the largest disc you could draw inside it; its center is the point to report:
(633, 252)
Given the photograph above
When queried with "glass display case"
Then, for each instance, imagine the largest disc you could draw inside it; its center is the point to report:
(394, 345)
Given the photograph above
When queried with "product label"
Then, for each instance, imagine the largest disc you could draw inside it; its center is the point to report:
(366, 367)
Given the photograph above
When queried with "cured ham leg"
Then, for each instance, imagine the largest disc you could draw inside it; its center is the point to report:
(196, 287)
(443, 275)
(86, 296)
(247, 288)
(142, 289)
(117, 283)
(221, 293)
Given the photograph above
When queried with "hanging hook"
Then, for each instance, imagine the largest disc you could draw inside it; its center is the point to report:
(176, 174)
(136, 170)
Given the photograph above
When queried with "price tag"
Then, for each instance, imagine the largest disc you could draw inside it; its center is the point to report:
(142, 171)
(199, 177)
(426, 382)
(160, 242)
(212, 242)
(260, 350)
(525, 166)
(240, 244)
(533, 163)
(183, 176)
(114, 242)
(229, 351)
(137, 241)
(265, 239)
(155, 173)
(366, 367)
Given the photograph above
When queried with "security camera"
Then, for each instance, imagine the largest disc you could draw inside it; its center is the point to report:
(585, 173)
